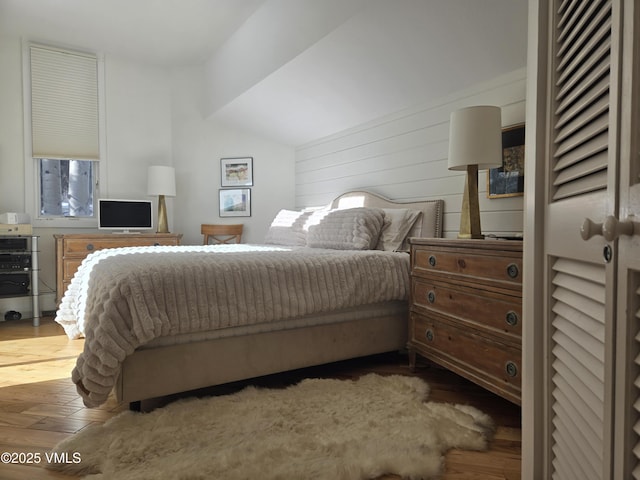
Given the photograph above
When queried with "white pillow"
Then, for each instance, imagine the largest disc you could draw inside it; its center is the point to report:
(348, 229)
(287, 228)
(398, 223)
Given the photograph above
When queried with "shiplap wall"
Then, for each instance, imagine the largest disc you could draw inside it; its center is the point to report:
(404, 157)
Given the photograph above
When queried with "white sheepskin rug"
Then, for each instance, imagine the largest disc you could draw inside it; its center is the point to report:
(318, 429)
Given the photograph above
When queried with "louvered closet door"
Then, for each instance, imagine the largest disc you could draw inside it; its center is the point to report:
(591, 335)
(627, 366)
(581, 286)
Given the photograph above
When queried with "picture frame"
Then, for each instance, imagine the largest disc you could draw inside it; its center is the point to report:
(508, 180)
(235, 202)
(236, 172)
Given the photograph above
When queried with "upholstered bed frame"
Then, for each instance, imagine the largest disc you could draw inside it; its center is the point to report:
(164, 370)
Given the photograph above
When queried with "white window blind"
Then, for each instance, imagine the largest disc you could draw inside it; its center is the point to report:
(64, 104)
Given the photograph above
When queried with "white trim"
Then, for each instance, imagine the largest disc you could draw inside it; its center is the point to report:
(535, 456)
(102, 130)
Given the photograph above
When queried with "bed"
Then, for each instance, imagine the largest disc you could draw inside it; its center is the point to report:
(164, 320)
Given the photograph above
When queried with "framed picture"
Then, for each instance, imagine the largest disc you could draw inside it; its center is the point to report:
(508, 180)
(235, 172)
(235, 202)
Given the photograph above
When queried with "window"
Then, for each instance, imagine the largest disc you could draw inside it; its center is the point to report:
(64, 123)
(66, 188)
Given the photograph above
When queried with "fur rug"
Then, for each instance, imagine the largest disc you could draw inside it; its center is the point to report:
(319, 428)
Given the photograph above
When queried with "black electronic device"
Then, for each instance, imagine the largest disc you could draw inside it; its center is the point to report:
(13, 244)
(15, 261)
(124, 215)
(14, 283)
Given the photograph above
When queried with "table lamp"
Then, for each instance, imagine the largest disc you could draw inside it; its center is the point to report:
(475, 143)
(161, 181)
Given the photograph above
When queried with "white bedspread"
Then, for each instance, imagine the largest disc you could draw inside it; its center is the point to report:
(123, 298)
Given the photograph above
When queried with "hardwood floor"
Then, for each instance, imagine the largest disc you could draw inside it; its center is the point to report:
(39, 406)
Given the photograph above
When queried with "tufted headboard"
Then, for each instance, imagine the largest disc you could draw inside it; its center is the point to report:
(428, 225)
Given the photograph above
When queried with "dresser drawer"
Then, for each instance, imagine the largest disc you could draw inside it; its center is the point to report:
(86, 246)
(494, 365)
(69, 267)
(497, 313)
(468, 264)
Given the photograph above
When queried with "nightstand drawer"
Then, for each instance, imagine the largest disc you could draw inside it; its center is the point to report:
(494, 365)
(470, 265)
(497, 313)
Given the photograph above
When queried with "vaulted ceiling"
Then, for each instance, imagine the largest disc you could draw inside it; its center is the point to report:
(296, 70)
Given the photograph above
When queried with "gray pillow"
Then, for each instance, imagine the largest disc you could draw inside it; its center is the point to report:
(348, 229)
(398, 222)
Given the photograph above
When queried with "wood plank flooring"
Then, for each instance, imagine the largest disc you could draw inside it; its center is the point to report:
(39, 406)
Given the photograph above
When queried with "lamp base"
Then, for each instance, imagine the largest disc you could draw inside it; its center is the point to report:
(470, 214)
(163, 225)
(464, 236)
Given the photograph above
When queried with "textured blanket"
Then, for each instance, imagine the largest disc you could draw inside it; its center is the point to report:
(124, 298)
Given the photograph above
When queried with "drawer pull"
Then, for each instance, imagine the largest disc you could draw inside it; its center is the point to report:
(512, 369)
(512, 270)
(90, 247)
(429, 335)
(432, 260)
(512, 318)
(431, 296)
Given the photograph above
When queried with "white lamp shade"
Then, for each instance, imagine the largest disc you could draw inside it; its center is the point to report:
(161, 180)
(475, 138)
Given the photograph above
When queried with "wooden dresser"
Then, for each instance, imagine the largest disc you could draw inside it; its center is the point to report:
(466, 310)
(71, 249)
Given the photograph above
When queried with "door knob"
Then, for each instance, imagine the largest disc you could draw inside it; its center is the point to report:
(610, 229)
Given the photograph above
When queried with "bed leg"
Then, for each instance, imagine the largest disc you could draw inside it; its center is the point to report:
(135, 406)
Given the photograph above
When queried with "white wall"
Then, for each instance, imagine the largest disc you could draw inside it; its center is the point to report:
(138, 120)
(11, 142)
(198, 146)
(277, 32)
(404, 157)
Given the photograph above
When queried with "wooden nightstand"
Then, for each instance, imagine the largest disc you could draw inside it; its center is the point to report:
(466, 310)
(71, 249)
